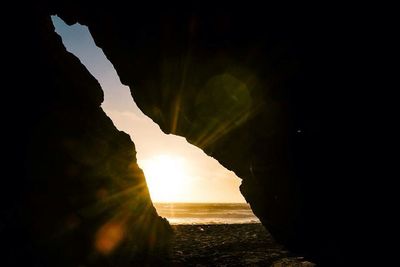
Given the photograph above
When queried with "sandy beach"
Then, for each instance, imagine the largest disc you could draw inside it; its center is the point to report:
(229, 245)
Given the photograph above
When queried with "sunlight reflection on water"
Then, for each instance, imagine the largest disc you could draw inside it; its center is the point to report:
(206, 213)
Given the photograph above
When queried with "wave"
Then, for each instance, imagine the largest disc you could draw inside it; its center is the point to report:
(206, 213)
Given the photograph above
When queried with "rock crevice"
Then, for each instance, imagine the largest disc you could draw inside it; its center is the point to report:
(251, 86)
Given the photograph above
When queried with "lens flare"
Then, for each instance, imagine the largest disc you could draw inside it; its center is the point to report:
(109, 237)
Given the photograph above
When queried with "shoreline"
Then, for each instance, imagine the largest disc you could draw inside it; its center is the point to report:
(212, 223)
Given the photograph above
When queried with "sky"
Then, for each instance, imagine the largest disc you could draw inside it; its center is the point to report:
(175, 170)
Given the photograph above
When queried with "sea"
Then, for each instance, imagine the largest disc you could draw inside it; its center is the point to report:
(206, 213)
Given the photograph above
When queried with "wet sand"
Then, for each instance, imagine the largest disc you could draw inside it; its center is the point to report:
(229, 245)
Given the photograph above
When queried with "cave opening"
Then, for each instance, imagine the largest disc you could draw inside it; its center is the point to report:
(186, 185)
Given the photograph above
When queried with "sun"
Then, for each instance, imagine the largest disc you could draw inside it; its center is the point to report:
(166, 177)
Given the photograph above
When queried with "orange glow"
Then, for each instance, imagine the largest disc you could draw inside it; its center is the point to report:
(109, 236)
(166, 177)
(175, 170)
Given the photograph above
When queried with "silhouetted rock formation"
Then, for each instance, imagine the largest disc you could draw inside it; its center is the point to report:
(253, 86)
(77, 196)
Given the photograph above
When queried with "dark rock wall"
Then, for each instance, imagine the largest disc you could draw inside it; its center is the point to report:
(264, 89)
(256, 87)
(74, 194)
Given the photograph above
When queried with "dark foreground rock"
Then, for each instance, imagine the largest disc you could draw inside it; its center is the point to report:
(266, 90)
(257, 88)
(73, 194)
